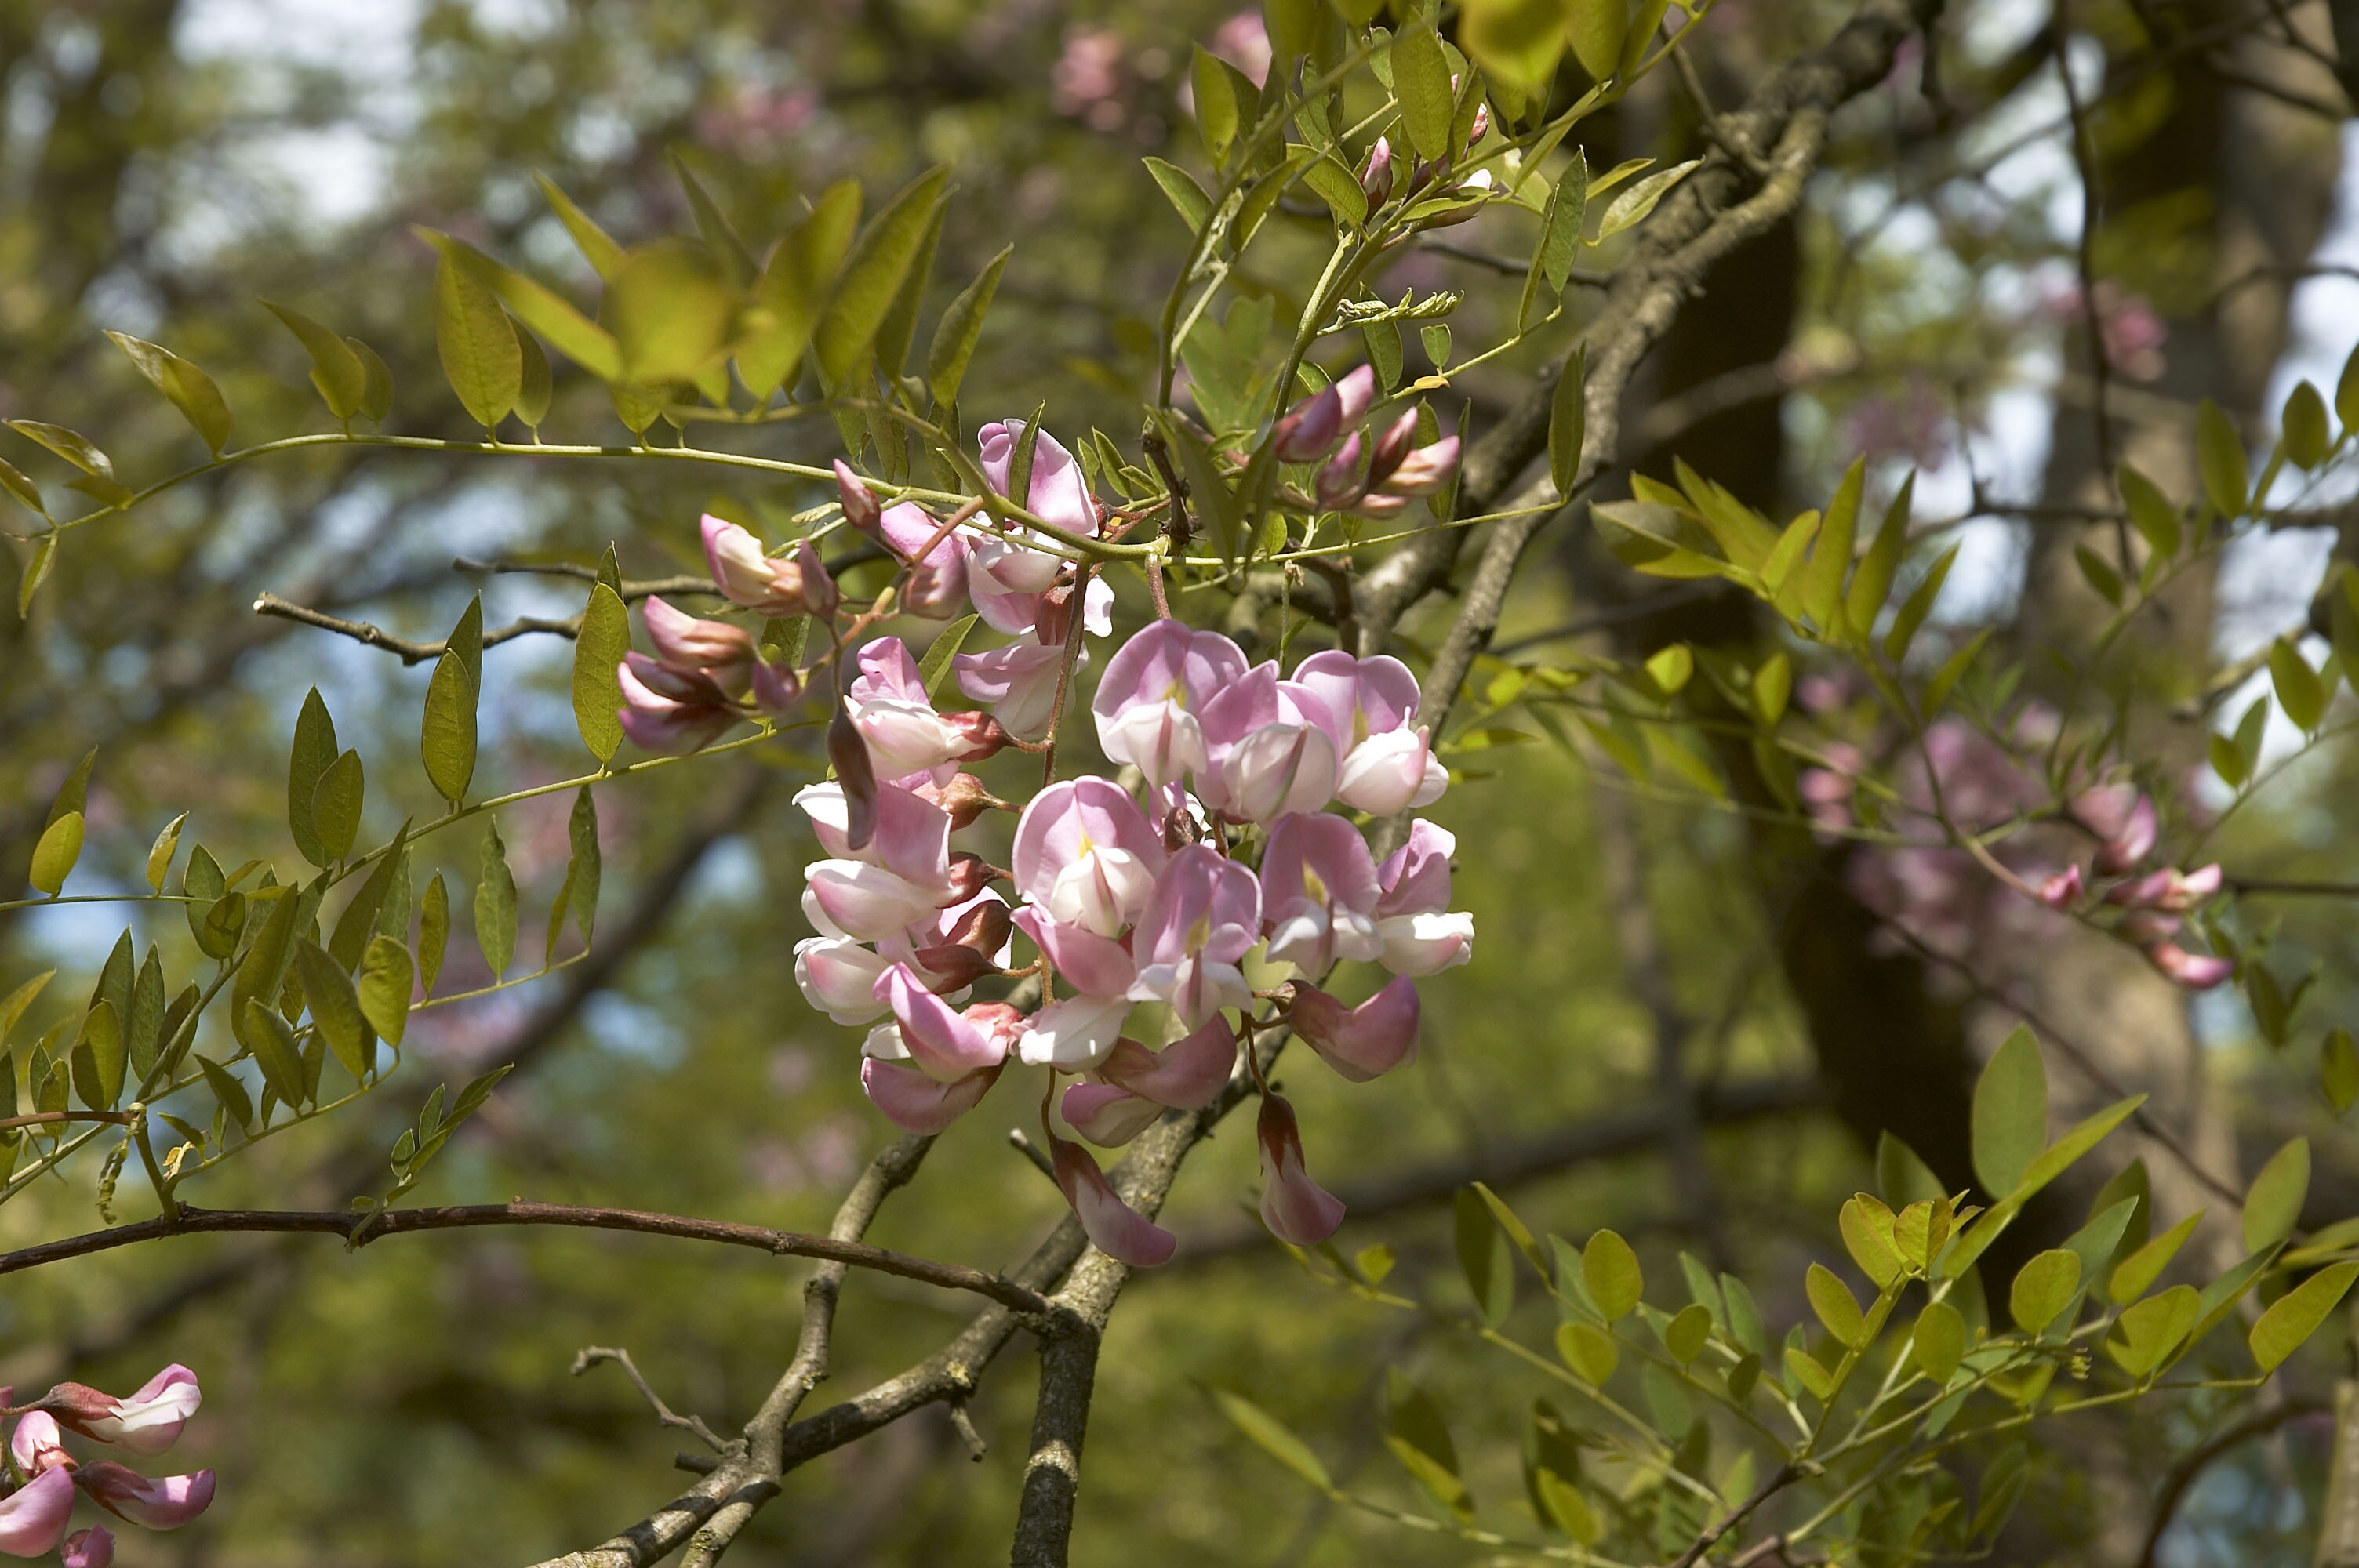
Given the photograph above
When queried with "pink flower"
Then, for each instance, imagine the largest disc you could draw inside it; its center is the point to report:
(2195, 973)
(91, 1548)
(1019, 681)
(1149, 703)
(936, 585)
(146, 1423)
(894, 716)
(2123, 818)
(1073, 1034)
(34, 1516)
(1424, 471)
(748, 577)
(160, 1502)
(37, 1444)
(1114, 1228)
(1201, 919)
(1369, 707)
(1376, 174)
(1339, 481)
(916, 1103)
(1244, 41)
(1185, 1074)
(947, 1045)
(901, 876)
(1106, 1115)
(1086, 855)
(1093, 965)
(838, 977)
(1318, 893)
(2170, 889)
(2062, 891)
(1421, 935)
(778, 690)
(1059, 494)
(1269, 749)
(1360, 1043)
(722, 651)
(670, 710)
(1296, 1208)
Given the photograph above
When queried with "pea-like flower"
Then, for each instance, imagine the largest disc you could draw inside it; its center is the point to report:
(1295, 1207)
(1318, 893)
(750, 577)
(1360, 1043)
(1201, 919)
(1150, 704)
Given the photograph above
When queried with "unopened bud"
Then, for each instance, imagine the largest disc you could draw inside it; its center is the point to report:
(1054, 619)
(1392, 447)
(1310, 428)
(849, 753)
(861, 508)
(1426, 469)
(954, 966)
(2062, 891)
(1377, 173)
(778, 690)
(965, 799)
(1482, 126)
(970, 873)
(985, 928)
(1339, 481)
(984, 735)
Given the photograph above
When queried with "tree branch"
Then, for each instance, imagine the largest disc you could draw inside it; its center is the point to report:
(2195, 1460)
(363, 1229)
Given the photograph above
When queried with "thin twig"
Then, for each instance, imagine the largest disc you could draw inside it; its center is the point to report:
(408, 652)
(633, 590)
(2193, 1462)
(2101, 362)
(592, 1356)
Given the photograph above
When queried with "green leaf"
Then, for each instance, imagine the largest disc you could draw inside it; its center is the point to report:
(1517, 42)
(2151, 513)
(1596, 28)
(1804, 1370)
(1482, 1254)
(1419, 1439)
(1610, 1273)
(533, 388)
(433, 932)
(1217, 113)
(2346, 393)
(2299, 691)
(2307, 438)
(496, 904)
(2043, 1288)
(602, 253)
(2057, 1157)
(336, 371)
(2273, 1203)
(447, 737)
(73, 445)
(1630, 209)
(2099, 574)
(2137, 1272)
(1588, 1350)
(1939, 1341)
(545, 311)
(2338, 1069)
(1685, 1335)
(2148, 1332)
(1568, 423)
(1180, 187)
(1275, 1439)
(188, 389)
(670, 311)
(1821, 588)
(584, 869)
(1422, 83)
(959, 329)
(160, 853)
(598, 653)
(308, 760)
(1208, 489)
(871, 277)
(336, 806)
(2220, 458)
(384, 988)
(1953, 669)
(229, 1090)
(37, 572)
(12, 1007)
(361, 916)
(1872, 578)
(2298, 1312)
(376, 381)
(1916, 608)
(476, 341)
(55, 854)
(13, 480)
(714, 225)
(935, 670)
(273, 1044)
(336, 1009)
(1338, 187)
(1867, 1233)
(1671, 668)
(1773, 683)
(2010, 1114)
(1836, 1306)
(100, 1057)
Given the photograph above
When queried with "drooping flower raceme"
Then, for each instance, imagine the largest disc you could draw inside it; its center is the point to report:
(1188, 892)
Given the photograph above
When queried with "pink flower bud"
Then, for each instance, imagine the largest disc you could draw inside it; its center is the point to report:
(671, 710)
(34, 1516)
(146, 1423)
(916, 1103)
(1392, 447)
(1310, 428)
(985, 926)
(2188, 969)
(2148, 925)
(37, 1444)
(1360, 1043)
(2062, 891)
(1106, 1115)
(1377, 173)
(849, 753)
(2167, 889)
(1185, 1074)
(982, 735)
(963, 797)
(1295, 1207)
(1115, 1227)
(1482, 126)
(723, 651)
(159, 1502)
(861, 508)
(1339, 481)
(1425, 471)
(749, 578)
(778, 690)
(953, 968)
(2128, 832)
(969, 874)
(91, 1548)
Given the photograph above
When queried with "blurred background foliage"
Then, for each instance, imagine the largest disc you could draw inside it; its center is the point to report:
(166, 164)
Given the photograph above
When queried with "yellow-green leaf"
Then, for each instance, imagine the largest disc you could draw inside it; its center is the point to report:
(2307, 438)
(55, 854)
(1422, 83)
(2297, 1315)
(476, 341)
(598, 653)
(1568, 423)
(336, 371)
(2299, 691)
(1596, 29)
(496, 904)
(188, 389)
(1273, 1436)
(959, 329)
(1610, 1273)
(2134, 1274)
(1587, 1350)
(2009, 1119)
(384, 988)
(1836, 1306)
(1938, 1340)
(871, 277)
(2220, 459)
(336, 1007)
(2273, 1203)
(2043, 1287)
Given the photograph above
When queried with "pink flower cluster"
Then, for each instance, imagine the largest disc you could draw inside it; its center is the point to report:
(2155, 902)
(43, 1477)
(1158, 893)
(1395, 470)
